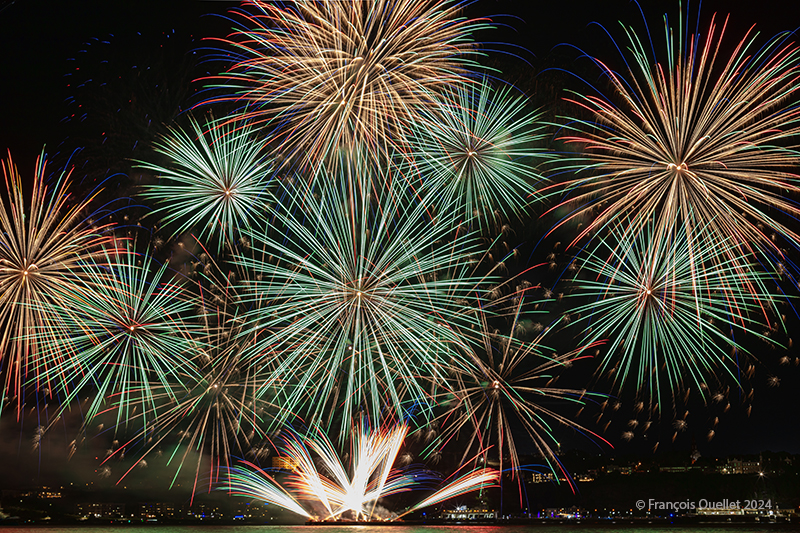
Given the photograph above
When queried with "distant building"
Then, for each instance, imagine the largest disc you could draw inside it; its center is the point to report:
(463, 513)
(111, 511)
(710, 511)
(250, 510)
(45, 493)
(547, 477)
(737, 466)
(610, 469)
(157, 510)
(561, 512)
(202, 511)
(284, 463)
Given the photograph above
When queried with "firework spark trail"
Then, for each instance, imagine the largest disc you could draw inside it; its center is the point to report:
(363, 294)
(336, 74)
(253, 482)
(216, 180)
(475, 149)
(44, 242)
(659, 309)
(216, 417)
(469, 482)
(373, 453)
(703, 139)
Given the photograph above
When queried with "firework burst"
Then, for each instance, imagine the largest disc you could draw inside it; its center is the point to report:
(127, 336)
(44, 242)
(363, 295)
(509, 386)
(698, 137)
(215, 182)
(216, 412)
(475, 150)
(336, 74)
(670, 325)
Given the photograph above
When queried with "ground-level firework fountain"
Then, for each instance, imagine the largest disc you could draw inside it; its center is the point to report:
(331, 492)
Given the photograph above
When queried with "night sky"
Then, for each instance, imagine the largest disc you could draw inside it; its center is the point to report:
(56, 53)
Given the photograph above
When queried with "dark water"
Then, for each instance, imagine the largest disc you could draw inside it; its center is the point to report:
(544, 528)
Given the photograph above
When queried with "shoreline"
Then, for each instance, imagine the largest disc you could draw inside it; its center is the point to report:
(693, 521)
